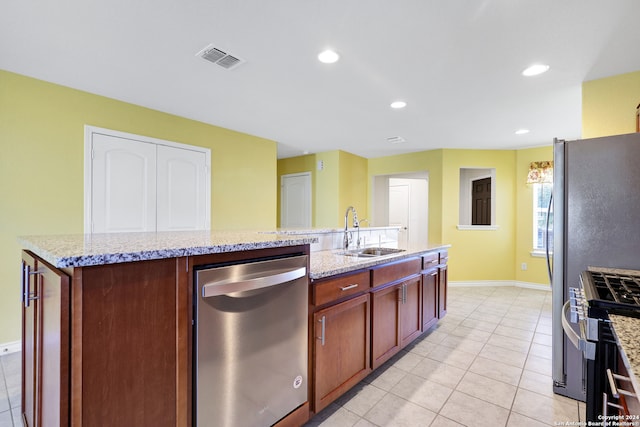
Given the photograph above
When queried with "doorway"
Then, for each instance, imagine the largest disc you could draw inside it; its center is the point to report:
(403, 200)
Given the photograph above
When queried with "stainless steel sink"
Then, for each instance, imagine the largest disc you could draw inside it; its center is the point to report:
(370, 252)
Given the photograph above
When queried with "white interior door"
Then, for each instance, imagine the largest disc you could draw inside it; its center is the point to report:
(182, 189)
(295, 196)
(123, 182)
(399, 210)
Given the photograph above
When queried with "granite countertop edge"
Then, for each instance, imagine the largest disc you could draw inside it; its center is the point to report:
(627, 332)
(330, 263)
(83, 250)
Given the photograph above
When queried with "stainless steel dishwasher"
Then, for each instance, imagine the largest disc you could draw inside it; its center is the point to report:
(251, 342)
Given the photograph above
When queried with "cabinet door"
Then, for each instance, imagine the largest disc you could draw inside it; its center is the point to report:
(410, 310)
(429, 298)
(385, 333)
(29, 330)
(46, 348)
(442, 291)
(341, 350)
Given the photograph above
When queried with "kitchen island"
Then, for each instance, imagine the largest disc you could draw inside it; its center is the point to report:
(107, 319)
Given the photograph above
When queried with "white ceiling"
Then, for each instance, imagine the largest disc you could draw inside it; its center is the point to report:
(457, 64)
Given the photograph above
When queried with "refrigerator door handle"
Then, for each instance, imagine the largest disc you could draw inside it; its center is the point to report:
(547, 246)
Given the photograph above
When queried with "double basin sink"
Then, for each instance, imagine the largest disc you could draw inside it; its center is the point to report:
(370, 252)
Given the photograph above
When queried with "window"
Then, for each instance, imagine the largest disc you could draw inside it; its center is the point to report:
(541, 198)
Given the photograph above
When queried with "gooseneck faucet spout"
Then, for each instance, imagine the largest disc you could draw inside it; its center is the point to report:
(356, 224)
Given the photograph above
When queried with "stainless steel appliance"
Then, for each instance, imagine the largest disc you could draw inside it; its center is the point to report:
(602, 291)
(596, 208)
(250, 353)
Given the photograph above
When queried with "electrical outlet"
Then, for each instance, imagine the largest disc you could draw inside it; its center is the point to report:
(523, 266)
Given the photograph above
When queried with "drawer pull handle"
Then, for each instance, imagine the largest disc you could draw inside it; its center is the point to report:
(346, 288)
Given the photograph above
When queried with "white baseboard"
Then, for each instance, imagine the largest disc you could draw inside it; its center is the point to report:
(514, 283)
(10, 347)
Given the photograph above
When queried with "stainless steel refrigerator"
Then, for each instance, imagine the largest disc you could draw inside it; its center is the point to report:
(596, 209)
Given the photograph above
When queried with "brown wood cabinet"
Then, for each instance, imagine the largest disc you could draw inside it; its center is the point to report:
(45, 343)
(341, 348)
(430, 310)
(395, 308)
(410, 310)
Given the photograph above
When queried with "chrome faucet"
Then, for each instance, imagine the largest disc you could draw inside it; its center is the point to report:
(356, 224)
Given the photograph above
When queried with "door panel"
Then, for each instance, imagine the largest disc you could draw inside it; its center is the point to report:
(29, 346)
(429, 298)
(343, 359)
(385, 324)
(295, 209)
(182, 189)
(410, 323)
(123, 185)
(481, 202)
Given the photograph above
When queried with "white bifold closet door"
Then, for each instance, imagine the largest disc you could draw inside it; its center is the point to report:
(181, 183)
(143, 186)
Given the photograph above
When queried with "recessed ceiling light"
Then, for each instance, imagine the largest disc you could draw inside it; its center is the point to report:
(535, 69)
(522, 131)
(328, 57)
(398, 104)
(396, 140)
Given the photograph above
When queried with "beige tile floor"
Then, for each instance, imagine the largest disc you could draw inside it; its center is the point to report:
(10, 385)
(487, 363)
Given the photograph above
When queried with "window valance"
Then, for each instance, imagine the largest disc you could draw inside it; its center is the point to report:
(540, 172)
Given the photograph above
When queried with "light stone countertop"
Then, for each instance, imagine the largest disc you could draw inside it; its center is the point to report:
(627, 331)
(81, 250)
(330, 262)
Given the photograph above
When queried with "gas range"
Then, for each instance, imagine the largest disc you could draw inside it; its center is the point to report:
(612, 290)
(602, 291)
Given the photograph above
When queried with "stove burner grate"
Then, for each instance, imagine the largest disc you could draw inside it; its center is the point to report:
(619, 288)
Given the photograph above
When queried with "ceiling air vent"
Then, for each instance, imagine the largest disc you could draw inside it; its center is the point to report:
(219, 57)
(395, 140)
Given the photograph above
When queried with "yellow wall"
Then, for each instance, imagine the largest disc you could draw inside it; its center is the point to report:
(41, 169)
(354, 185)
(609, 105)
(430, 161)
(341, 183)
(480, 254)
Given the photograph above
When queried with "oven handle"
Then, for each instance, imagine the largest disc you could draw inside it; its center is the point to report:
(566, 326)
(587, 348)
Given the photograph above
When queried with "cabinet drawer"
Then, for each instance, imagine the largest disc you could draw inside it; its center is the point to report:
(430, 260)
(444, 257)
(392, 272)
(333, 289)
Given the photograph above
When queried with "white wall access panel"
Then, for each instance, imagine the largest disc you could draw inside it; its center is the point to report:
(137, 183)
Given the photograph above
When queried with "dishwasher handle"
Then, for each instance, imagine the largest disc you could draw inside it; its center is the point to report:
(223, 287)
